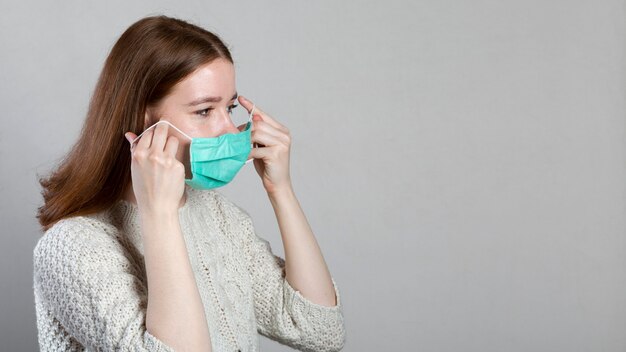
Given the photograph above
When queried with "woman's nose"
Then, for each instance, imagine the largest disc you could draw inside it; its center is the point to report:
(226, 123)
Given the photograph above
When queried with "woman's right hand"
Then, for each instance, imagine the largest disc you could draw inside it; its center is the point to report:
(158, 178)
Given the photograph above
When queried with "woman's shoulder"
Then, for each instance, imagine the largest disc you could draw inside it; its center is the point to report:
(77, 232)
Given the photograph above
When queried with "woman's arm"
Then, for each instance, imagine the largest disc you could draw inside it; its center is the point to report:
(306, 270)
(311, 319)
(175, 313)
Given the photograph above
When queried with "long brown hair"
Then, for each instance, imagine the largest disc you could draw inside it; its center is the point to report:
(148, 59)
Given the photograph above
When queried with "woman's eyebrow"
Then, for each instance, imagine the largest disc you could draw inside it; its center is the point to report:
(209, 100)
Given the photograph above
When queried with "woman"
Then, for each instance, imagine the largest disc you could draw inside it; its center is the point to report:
(140, 252)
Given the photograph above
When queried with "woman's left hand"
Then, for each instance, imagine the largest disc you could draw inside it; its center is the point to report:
(271, 158)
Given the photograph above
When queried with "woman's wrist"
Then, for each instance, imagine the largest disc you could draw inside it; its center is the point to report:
(155, 221)
(277, 192)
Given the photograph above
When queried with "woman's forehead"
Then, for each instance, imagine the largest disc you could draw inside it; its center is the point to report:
(215, 80)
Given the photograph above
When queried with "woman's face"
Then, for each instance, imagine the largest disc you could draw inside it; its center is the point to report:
(199, 106)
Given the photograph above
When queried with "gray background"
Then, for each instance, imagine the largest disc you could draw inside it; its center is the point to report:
(460, 162)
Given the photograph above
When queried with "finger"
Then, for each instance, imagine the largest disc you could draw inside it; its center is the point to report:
(257, 111)
(269, 129)
(246, 103)
(130, 136)
(171, 147)
(159, 137)
(144, 140)
(265, 139)
(259, 153)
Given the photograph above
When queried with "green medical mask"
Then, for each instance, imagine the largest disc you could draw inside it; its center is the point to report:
(215, 160)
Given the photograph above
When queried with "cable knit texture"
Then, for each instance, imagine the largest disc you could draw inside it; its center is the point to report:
(91, 292)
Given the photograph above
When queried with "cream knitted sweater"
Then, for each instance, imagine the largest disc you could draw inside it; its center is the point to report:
(91, 294)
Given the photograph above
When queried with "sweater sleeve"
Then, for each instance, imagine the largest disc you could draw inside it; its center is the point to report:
(83, 278)
(282, 313)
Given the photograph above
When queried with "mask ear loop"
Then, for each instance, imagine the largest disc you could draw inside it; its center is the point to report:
(132, 144)
(147, 129)
(250, 120)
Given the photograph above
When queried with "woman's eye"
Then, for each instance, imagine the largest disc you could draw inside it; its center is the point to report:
(203, 111)
(206, 111)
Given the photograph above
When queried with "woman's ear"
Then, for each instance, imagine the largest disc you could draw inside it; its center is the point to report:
(149, 119)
